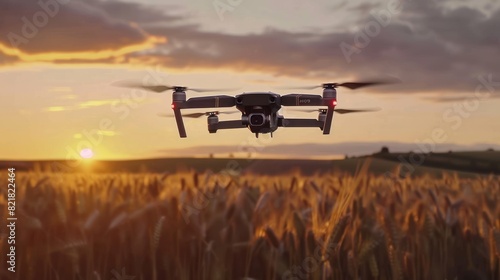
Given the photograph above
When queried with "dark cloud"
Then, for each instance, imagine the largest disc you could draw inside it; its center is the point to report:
(430, 46)
(364, 7)
(50, 26)
(275, 51)
(137, 12)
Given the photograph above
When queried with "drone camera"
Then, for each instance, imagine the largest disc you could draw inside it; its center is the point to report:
(257, 119)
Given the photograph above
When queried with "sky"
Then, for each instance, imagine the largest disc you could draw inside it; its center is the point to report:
(59, 60)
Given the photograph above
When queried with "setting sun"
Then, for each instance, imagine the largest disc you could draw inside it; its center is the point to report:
(86, 153)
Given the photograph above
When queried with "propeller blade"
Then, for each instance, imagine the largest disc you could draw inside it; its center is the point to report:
(166, 115)
(307, 111)
(340, 111)
(201, 90)
(156, 88)
(199, 114)
(356, 85)
(299, 88)
(162, 88)
(347, 111)
(349, 85)
(194, 115)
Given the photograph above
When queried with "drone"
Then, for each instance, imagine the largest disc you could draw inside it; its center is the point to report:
(259, 110)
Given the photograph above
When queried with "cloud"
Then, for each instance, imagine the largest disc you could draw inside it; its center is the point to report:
(84, 105)
(432, 47)
(139, 13)
(48, 30)
(88, 104)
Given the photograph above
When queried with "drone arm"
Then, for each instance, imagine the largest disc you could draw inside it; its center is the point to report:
(300, 123)
(230, 124)
(212, 128)
(209, 102)
(302, 100)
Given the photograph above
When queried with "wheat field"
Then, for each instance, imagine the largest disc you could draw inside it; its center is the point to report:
(216, 226)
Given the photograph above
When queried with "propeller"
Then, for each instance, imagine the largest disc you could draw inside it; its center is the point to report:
(341, 111)
(348, 111)
(199, 115)
(162, 88)
(350, 85)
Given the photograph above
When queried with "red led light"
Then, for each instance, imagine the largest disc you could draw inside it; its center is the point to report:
(334, 102)
(173, 106)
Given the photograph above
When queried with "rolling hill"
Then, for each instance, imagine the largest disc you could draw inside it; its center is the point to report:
(434, 164)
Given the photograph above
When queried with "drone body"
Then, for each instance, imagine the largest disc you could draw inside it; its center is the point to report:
(259, 110)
